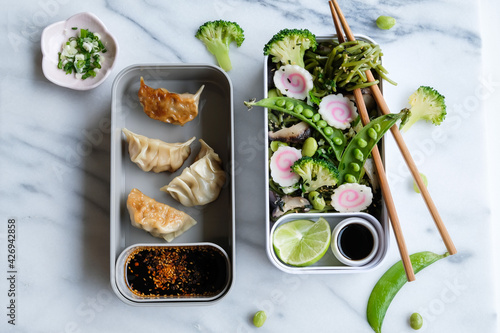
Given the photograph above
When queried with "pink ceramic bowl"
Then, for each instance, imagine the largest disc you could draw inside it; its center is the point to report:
(56, 34)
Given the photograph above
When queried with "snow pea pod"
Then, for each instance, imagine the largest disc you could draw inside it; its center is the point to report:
(391, 282)
(301, 110)
(356, 153)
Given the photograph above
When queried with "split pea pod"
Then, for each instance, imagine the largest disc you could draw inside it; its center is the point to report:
(390, 283)
(301, 110)
(356, 153)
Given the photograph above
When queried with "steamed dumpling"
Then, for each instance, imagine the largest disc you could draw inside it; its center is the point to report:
(159, 219)
(156, 155)
(200, 183)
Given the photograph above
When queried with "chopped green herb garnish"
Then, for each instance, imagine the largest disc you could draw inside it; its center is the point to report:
(81, 54)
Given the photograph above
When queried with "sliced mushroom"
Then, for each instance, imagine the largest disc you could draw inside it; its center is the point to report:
(367, 97)
(296, 133)
(287, 203)
(371, 172)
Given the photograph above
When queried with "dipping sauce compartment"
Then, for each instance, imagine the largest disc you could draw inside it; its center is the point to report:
(180, 272)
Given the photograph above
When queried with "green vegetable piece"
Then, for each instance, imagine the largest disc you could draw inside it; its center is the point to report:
(336, 139)
(316, 117)
(424, 180)
(316, 200)
(426, 104)
(289, 105)
(416, 321)
(354, 166)
(315, 173)
(309, 147)
(362, 143)
(217, 36)
(298, 108)
(376, 127)
(276, 144)
(350, 178)
(385, 22)
(308, 113)
(328, 130)
(390, 283)
(259, 318)
(353, 152)
(288, 46)
(358, 155)
(272, 93)
(372, 133)
(321, 123)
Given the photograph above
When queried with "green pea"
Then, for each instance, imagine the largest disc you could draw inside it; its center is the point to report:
(424, 179)
(358, 154)
(372, 133)
(289, 106)
(354, 166)
(377, 127)
(362, 143)
(316, 200)
(350, 178)
(272, 93)
(259, 318)
(385, 22)
(298, 108)
(309, 147)
(328, 130)
(280, 102)
(276, 144)
(416, 321)
(337, 141)
(308, 113)
(316, 117)
(321, 123)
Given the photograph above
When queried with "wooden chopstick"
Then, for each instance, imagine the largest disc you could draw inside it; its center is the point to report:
(377, 94)
(384, 184)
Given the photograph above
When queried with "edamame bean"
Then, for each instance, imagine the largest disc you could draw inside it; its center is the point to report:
(316, 200)
(309, 147)
(416, 321)
(308, 113)
(316, 117)
(390, 283)
(385, 22)
(356, 153)
(276, 144)
(272, 93)
(289, 106)
(328, 130)
(298, 108)
(321, 123)
(259, 318)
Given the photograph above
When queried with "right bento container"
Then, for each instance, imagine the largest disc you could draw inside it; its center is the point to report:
(328, 264)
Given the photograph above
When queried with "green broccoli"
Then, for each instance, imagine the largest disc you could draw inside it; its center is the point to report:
(217, 35)
(315, 173)
(289, 46)
(426, 103)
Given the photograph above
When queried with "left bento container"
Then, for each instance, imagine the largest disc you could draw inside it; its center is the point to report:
(215, 125)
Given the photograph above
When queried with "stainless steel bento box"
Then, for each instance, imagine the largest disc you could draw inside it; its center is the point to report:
(214, 124)
(328, 264)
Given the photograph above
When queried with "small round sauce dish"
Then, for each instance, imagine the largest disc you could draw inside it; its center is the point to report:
(57, 34)
(355, 241)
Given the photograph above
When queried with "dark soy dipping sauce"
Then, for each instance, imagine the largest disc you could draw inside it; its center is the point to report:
(355, 241)
(177, 271)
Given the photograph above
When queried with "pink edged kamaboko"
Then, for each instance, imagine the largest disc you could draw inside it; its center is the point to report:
(338, 111)
(293, 81)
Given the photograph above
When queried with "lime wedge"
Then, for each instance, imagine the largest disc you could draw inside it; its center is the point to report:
(302, 242)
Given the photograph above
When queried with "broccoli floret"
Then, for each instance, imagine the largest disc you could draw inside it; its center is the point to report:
(427, 104)
(315, 173)
(289, 46)
(217, 35)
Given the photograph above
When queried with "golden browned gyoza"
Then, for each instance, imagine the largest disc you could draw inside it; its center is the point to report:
(159, 219)
(169, 107)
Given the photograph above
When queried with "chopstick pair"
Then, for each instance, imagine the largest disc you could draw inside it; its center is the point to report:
(340, 22)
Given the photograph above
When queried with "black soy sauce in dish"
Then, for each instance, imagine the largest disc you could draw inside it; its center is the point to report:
(355, 241)
(176, 271)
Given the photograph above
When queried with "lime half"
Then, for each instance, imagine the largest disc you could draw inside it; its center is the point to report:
(302, 242)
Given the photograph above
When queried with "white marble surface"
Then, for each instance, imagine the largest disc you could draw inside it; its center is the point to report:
(54, 170)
